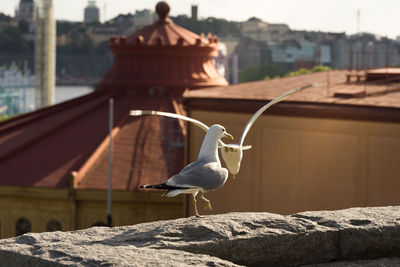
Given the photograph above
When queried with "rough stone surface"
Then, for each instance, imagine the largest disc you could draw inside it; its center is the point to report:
(86, 248)
(383, 262)
(351, 237)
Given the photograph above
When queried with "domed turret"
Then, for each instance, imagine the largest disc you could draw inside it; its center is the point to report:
(162, 54)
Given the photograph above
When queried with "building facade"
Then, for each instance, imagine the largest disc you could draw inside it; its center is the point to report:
(91, 13)
(299, 53)
(194, 13)
(365, 51)
(32, 209)
(26, 10)
(317, 150)
(54, 161)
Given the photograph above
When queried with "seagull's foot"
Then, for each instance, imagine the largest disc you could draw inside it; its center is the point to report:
(208, 206)
(208, 203)
(199, 216)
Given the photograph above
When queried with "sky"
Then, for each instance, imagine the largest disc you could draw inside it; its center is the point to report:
(376, 16)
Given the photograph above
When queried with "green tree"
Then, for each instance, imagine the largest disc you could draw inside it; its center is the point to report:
(12, 40)
(256, 73)
(23, 25)
(320, 68)
(4, 17)
(307, 71)
(4, 117)
(64, 27)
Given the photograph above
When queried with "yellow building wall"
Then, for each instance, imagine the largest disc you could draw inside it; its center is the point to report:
(300, 163)
(81, 209)
(39, 206)
(127, 207)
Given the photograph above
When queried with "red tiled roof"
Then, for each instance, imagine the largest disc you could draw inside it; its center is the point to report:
(43, 148)
(385, 70)
(142, 151)
(67, 143)
(326, 84)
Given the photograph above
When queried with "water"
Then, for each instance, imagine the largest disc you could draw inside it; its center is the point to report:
(63, 93)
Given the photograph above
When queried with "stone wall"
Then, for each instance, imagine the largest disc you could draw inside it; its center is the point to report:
(356, 236)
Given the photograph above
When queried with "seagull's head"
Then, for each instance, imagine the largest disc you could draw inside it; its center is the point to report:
(220, 131)
(232, 155)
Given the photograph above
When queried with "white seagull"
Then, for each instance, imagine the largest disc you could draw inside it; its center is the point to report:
(231, 153)
(203, 175)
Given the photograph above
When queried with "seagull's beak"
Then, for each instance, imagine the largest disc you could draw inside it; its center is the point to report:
(228, 135)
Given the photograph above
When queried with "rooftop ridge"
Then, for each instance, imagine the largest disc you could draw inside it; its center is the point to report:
(56, 127)
(77, 176)
(27, 118)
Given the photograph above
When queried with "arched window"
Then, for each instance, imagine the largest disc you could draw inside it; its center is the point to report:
(53, 225)
(22, 226)
(99, 223)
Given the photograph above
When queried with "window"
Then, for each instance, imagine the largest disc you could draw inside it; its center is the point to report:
(53, 225)
(22, 226)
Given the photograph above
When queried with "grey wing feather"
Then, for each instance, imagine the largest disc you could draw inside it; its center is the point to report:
(172, 115)
(263, 108)
(207, 176)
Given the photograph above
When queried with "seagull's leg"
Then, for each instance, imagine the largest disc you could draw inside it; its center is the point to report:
(208, 203)
(194, 204)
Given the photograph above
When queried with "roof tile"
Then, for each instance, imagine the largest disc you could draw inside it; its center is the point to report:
(326, 84)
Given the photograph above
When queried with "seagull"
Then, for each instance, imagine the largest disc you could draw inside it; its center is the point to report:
(231, 153)
(203, 175)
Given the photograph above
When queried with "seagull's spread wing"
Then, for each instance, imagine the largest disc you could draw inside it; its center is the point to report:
(263, 108)
(171, 115)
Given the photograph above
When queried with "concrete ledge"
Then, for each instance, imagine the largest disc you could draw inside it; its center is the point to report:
(360, 236)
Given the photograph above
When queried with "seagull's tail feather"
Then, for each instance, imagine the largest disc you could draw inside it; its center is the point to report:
(173, 192)
(156, 186)
(162, 186)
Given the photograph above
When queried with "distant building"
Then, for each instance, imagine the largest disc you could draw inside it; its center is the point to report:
(143, 18)
(254, 28)
(26, 10)
(277, 31)
(364, 51)
(301, 54)
(92, 12)
(194, 11)
(333, 146)
(251, 52)
(123, 19)
(120, 25)
(262, 31)
(104, 33)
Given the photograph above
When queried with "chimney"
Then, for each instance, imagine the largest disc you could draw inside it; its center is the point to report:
(194, 11)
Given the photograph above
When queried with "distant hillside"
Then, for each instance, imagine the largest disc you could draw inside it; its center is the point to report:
(219, 27)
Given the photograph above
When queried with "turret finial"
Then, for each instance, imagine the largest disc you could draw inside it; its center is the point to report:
(162, 9)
